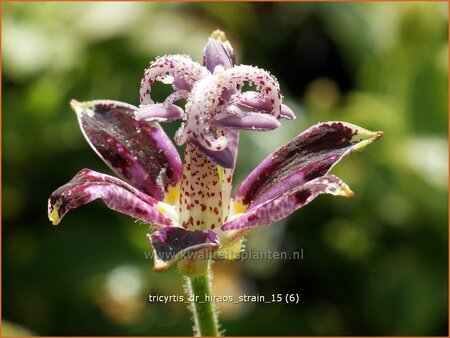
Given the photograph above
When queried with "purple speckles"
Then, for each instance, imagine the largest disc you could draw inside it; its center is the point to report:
(310, 155)
(302, 196)
(89, 185)
(285, 204)
(138, 151)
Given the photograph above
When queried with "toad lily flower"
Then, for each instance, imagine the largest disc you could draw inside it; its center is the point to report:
(189, 204)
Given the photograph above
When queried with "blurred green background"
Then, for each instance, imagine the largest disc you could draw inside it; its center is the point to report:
(375, 264)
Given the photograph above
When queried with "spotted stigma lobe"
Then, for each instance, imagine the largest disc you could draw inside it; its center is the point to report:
(282, 206)
(179, 70)
(89, 185)
(310, 155)
(172, 243)
(203, 99)
(265, 83)
(138, 151)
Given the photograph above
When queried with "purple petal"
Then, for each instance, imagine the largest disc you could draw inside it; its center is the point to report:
(216, 55)
(282, 206)
(159, 112)
(138, 151)
(180, 83)
(251, 121)
(310, 155)
(89, 185)
(287, 113)
(256, 101)
(224, 158)
(172, 243)
(218, 52)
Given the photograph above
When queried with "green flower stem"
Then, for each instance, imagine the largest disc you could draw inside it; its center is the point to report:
(205, 316)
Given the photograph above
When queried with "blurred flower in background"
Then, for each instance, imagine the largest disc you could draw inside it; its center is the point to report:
(376, 266)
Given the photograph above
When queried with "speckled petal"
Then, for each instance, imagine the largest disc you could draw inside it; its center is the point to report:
(139, 151)
(310, 155)
(278, 208)
(172, 243)
(89, 185)
(201, 193)
(178, 70)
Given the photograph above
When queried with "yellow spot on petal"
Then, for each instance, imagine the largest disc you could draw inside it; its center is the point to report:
(53, 215)
(172, 195)
(220, 173)
(167, 210)
(239, 207)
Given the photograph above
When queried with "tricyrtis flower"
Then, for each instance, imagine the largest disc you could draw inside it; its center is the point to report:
(189, 204)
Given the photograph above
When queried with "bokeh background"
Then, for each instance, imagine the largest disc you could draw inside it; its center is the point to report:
(373, 265)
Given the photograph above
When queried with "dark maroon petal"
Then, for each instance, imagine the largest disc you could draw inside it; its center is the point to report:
(310, 155)
(172, 243)
(138, 151)
(89, 185)
(282, 206)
